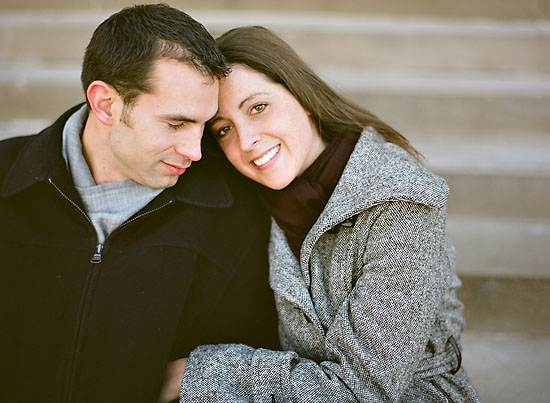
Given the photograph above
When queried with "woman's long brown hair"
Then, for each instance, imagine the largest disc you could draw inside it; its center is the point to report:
(261, 50)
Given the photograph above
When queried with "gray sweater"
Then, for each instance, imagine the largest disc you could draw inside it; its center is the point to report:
(368, 312)
(107, 205)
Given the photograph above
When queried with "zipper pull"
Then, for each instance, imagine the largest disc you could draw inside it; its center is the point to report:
(96, 258)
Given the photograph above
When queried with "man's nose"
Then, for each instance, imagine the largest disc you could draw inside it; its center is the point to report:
(190, 145)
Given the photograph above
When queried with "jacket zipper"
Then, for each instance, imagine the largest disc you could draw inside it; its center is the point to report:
(131, 220)
(95, 259)
(96, 256)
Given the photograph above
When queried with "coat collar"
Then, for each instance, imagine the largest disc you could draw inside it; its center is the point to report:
(41, 158)
(377, 171)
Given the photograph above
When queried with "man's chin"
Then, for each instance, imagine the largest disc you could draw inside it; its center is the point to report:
(161, 183)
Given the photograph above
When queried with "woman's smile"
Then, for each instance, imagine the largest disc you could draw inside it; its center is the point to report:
(262, 162)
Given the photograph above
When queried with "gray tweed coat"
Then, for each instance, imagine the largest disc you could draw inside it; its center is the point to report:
(368, 313)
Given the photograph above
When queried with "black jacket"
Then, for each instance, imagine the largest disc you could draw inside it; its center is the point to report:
(188, 269)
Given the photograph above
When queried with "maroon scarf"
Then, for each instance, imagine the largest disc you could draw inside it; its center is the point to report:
(297, 206)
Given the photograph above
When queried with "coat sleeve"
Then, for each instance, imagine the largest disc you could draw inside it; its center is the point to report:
(378, 335)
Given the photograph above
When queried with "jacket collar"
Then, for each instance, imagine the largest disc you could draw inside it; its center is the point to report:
(41, 158)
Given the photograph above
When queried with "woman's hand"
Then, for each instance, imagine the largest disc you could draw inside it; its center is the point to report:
(171, 386)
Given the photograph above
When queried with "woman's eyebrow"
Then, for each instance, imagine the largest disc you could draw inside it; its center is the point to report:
(213, 120)
(250, 97)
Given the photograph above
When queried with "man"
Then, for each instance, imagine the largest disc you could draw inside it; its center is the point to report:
(118, 252)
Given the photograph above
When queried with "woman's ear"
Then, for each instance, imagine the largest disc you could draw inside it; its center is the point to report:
(101, 97)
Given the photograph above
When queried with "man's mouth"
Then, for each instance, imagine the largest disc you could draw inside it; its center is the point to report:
(175, 169)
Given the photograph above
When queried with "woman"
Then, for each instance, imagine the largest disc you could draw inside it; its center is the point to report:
(361, 265)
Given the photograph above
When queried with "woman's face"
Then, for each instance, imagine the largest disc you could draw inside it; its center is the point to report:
(263, 130)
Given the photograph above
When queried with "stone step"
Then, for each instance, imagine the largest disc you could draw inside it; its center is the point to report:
(506, 368)
(506, 343)
(498, 196)
(510, 305)
(328, 40)
(500, 248)
(412, 103)
(436, 104)
(21, 127)
(492, 179)
(494, 9)
(520, 155)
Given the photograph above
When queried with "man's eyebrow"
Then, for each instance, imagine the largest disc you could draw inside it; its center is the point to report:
(178, 118)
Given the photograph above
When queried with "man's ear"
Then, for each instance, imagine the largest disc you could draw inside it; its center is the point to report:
(102, 98)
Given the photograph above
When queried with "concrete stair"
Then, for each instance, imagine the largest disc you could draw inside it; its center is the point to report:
(468, 82)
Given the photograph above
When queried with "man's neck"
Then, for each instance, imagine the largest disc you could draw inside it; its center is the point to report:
(96, 151)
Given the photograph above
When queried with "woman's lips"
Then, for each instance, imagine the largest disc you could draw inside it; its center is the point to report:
(266, 157)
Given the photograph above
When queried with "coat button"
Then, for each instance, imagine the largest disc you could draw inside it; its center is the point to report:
(346, 223)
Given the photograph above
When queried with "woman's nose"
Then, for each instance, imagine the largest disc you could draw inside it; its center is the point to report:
(248, 139)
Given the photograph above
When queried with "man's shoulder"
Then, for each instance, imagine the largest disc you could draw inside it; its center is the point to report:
(14, 144)
(30, 149)
(10, 149)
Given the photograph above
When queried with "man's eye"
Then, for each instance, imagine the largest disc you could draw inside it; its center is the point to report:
(258, 108)
(176, 126)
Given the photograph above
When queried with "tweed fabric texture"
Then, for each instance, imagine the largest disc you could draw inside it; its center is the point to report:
(367, 313)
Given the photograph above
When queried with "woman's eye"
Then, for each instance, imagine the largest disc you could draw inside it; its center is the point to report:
(223, 131)
(258, 108)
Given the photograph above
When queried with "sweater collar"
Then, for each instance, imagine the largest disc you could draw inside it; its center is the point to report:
(41, 159)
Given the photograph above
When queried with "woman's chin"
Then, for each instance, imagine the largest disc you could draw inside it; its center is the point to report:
(277, 184)
(272, 179)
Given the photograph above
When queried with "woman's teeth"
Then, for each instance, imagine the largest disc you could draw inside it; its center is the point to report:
(267, 157)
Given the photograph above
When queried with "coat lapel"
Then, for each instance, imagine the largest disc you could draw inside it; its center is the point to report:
(285, 276)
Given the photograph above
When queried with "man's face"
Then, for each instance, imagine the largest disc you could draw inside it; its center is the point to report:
(155, 140)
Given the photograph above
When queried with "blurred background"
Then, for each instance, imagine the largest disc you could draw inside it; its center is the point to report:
(468, 82)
